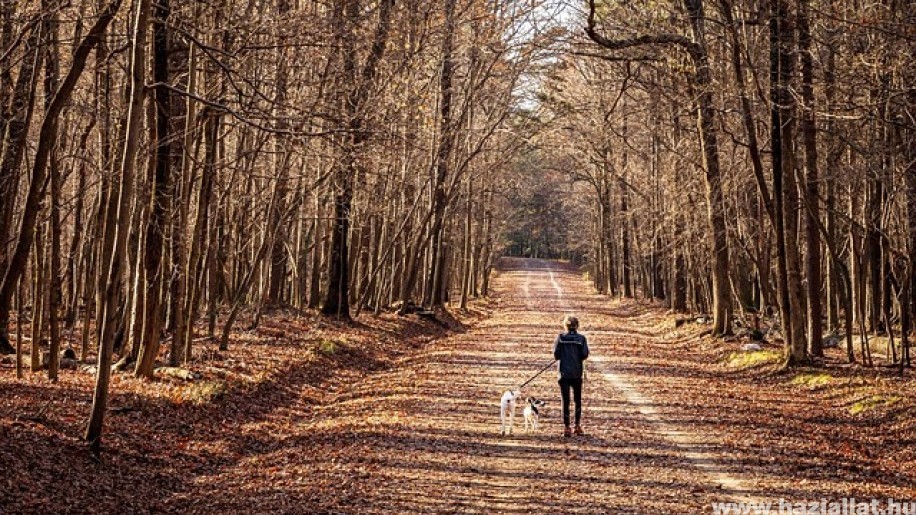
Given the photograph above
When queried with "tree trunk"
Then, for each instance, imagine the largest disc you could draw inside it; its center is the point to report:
(79, 253)
(487, 246)
(278, 255)
(721, 294)
(52, 73)
(181, 341)
(467, 249)
(609, 250)
(679, 298)
(112, 292)
(337, 299)
(38, 300)
(909, 306)
(834, 154)
(20, 298)
(625, 234)
(159, 199)
(811, 214)
(7, 10)
(107, 211)
(443, 154)
(784, 185)
(315, 269)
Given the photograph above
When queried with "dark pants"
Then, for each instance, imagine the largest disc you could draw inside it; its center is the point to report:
(576, 385)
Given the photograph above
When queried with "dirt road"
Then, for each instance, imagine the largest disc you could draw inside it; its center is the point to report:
(666, 433)
(426, 436)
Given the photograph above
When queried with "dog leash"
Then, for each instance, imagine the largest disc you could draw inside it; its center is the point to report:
(535, 375)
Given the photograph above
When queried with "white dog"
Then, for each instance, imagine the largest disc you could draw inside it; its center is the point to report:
(531, 413)
(507, 410)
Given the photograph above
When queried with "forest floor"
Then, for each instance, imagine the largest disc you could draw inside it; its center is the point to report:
(397, 415)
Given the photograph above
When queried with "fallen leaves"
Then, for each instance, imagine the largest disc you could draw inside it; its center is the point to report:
(396, 415)
(168, 441)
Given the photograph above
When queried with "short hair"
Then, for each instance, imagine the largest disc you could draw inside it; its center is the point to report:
(571, 323)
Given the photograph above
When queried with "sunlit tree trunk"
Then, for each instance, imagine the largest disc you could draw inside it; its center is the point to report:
(722, 308)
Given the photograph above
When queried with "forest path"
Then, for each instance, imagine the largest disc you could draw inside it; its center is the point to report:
(425, 435)
(669, 429)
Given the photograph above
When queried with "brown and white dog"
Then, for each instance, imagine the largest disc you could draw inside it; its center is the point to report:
(531, 412)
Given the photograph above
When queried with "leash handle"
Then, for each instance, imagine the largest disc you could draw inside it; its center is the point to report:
(535, 375)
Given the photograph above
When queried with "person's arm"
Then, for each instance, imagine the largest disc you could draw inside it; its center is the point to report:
(556, 348)
(584, 348)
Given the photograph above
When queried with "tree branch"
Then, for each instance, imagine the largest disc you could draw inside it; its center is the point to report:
(649, 39)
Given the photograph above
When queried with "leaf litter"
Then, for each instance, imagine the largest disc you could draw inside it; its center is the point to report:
(391, 414)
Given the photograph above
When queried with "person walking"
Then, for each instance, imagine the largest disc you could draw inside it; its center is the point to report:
(571, 349)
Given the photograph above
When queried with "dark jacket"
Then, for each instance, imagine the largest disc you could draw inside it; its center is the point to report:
(571, 349)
